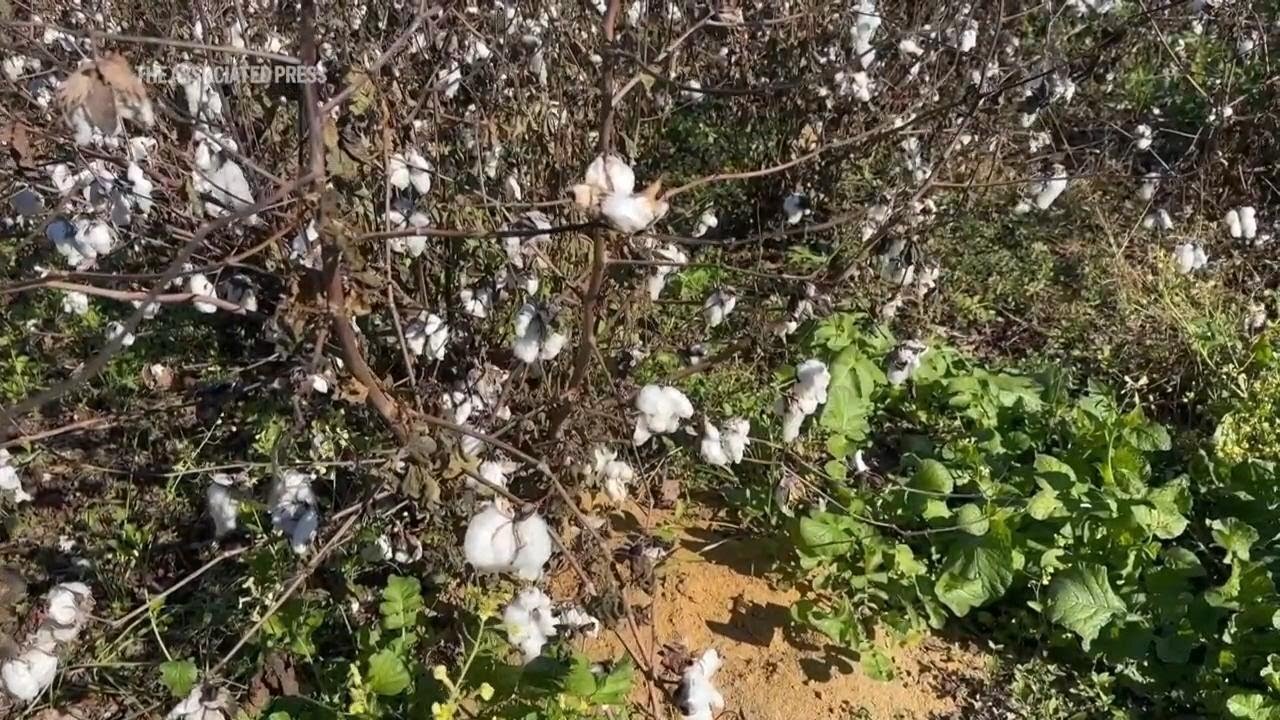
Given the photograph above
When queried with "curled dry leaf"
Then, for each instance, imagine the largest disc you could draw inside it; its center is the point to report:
(99, 87)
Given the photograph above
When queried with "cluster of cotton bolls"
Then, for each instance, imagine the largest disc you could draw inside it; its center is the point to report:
(478, 397)
(614, 475)
(103, 193)
(531, 620)
(215, 173)
(725, 446)
(295, 511)
(501, 540)
(536, 338)
(662, 408)
(803, 398)
(34, 665)
(1043, 192)
(410, 175)
(1189, 257)
(1242, 224)
(608, 189)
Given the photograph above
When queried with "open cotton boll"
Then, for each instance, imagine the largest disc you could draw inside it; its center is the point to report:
(411, 245)
(803, 398)
(616, 474)
(476, 302)
(69, 607)
(696, 696)
(294, 509)
(535, 339)
(658, 280)
(28, 674)
(864, 30)
(904, 361)
(96, 239)
(1142, 137)
(227, 187)
(631, 213)
(222, 505)
(1242, 222)
(1189, 257)
(711, 449)
(734, 438)
(9, 480)
(795, 207)
(458, 405)
(204, 702)
(496, 471)
(1158, 220)
(1051, 187)
(661, 410)
(198, 284)
(706, 221)
(409, 168)
(428, 335)
(530, 621)
(116, 330)
(75, 303)
(141, 187)
(578, 620)
(496, 542)
(1147, 188)
(604, 176)
(719, 305)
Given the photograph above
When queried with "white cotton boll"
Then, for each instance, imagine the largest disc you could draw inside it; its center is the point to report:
(696, 696)
(458, 406)
(861, 86)
(904, 361)
(617, 475)
(318, 383)
(711, 449)
(719, 305)
(96, 239)
(535, 340)
(661, 410)
(63, 236)
(812, 380)
(860, 464)
(969, 37)
(495, 542)
(28, 674)
(476, 302)
(1142, 136)
(198, 284)
(579, 620)
(633, 213)
(611, 175)
(795, 207)
(294, 510)
(1147, 188)
(203, 703)
(222, 505)
(1189, 257)
(530, 621)
(734, 438)
(1158, 220)
(9, 480)
(229, 190)
(116, 330)
(141, 189)
(1248, 222)
(471, 446)
(1051, 187)
(706, 221)
(910, 47)
(658, 280)
(864, 30)
(75, 303)
(496, 472)
(68, 611)
(428, 335)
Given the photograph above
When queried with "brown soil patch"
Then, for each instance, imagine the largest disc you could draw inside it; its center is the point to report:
(715, 591)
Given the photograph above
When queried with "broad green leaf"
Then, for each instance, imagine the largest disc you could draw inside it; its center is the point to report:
(1234, 536)
(387, 674)
(179, 676)
(933, 477)
(978, 570)
(971, 519)
(1081, 600)
(401, 601)
(1253, 706)
(846, 412)
(876, 665)
(1148, 437)
(1058, 474)
(579, 681)
(1044, 504)
(826, 534)
(614, 688)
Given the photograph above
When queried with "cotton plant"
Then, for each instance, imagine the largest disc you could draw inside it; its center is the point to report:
(1044, 191)
(1190, 257)
(723, 447)
(498, 541)
(33, 665)
(662, 408)
(535, 337)
(614, 474)
(803, 398)
(718, 306)
(530, 621)
(200, 286)
(407, 169)
(295, 511)
(904, 361)
(427, 335)
(697, 696)
(10, 483)
(222, 505)
(608, 188)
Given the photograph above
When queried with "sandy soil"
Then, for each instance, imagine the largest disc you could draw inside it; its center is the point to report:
(716, 591)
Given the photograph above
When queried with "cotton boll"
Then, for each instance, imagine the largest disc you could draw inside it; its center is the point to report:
(476, 302)
(28, 674)
(116, 330)
(96, 239)
(496, 472)
(1158, 220)
(1051, 187)
(68, 610)
(458, 405)
(904, 361)
(864, 30)
(734, 438)
(860, 464)
(535, 340)
(198, 284)
(495, 542)
(712, 450)
(630, 213)
(604, 176)
(658, 280)
(204, 702)
(706, 221)
(1147, 188)
(719, 305)
(228, 189)
(9, 480)
(579, 620)
(428, 335)
(1142, 137)
(223, 506)
(141, 189)
(294, 509)
(1189, 257)
(530, 621)
(75, 303)
(1248, 222)
(661, 410)
(795, 207)
(812, 379)
(910, 47)
(409, 168)
(696, 696)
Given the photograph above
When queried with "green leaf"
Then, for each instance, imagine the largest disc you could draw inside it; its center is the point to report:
(1081, 600)
(825, 534)
(179, 676)
(1253, 706)
(387, 674)
(876, 665)
(933, 477)
(401, 601)
(1058, 474)
(579, 681)
(1234, 536)
(1044, 504)
(846, 413)
(978, 570)
(971, 519)
(1149, 437)
(616, 686)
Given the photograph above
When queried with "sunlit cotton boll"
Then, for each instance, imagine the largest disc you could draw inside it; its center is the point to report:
(498, 543)
(530, 621)
(615, 474)
(535, 340)
(75, 303)
(696, 696)
(795, 207)
(1142, 137)
(68, 610)
(496, 471)
(1158, 220)
(199, 285)
(661, 410)
(204, 702)
(476, 302)
(658, 280)
(428, 335)
(1147, 188)
(409, 168)
(904, 361)
(116, 330)
(803, 399)
(9, 480)
(294, 509)
(222, 505)
(1242, 222)
(1051, 187)
(1189, 257)
(706, 221)
(29, 673)
(719, 305)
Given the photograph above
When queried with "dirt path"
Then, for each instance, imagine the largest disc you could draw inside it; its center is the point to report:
(715, 591)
